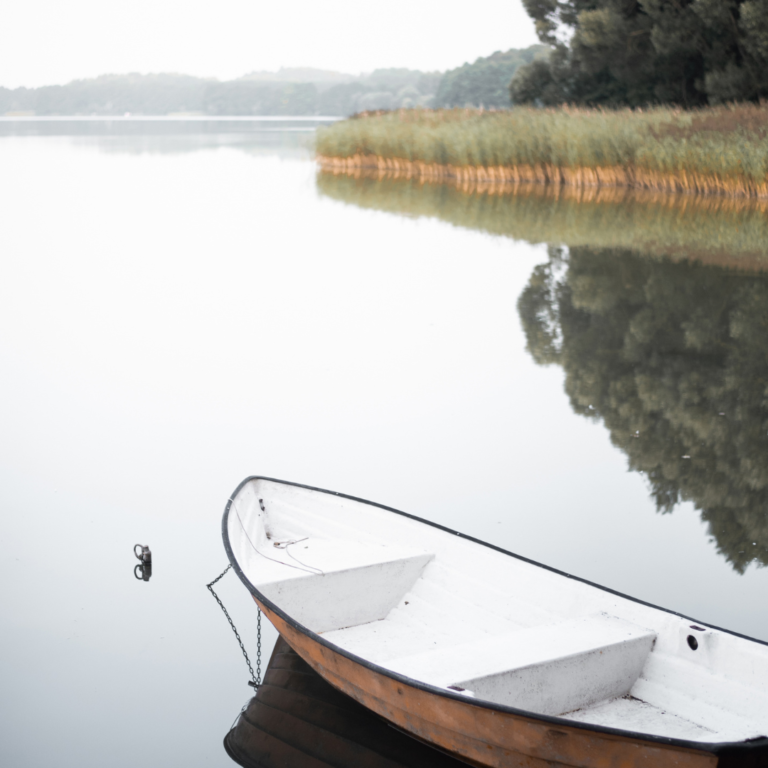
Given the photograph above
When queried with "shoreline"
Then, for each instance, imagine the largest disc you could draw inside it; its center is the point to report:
(491, 178)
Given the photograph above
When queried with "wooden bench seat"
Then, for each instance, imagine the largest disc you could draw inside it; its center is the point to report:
(551, 669)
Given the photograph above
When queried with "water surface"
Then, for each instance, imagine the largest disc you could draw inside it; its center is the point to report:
(181, 311)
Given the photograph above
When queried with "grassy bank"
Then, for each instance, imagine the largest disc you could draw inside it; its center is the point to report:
(723, 231)
(720, 150)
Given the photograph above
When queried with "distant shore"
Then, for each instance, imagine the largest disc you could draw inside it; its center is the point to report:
(720, 151)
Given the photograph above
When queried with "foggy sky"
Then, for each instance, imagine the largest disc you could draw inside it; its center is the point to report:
(47, 41)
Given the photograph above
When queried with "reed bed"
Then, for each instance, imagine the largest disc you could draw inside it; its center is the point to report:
(721, 150)
(729, 232)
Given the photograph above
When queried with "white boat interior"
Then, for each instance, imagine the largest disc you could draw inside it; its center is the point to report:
(460, 616)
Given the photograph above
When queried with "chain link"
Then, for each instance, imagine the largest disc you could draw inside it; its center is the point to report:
(255, 681)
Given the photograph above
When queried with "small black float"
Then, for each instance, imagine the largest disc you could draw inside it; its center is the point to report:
(142, 571)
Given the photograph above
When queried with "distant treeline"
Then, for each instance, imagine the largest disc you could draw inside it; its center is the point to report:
(287, 92)
(166, 94)
(485, 83)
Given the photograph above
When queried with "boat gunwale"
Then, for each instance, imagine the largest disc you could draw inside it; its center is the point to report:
(717, 748)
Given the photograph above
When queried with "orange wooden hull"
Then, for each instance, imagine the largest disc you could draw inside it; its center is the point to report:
(480, 735)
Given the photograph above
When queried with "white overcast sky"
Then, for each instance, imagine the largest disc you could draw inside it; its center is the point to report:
(54, 41)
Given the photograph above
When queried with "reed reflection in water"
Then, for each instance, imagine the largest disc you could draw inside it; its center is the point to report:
(656, 308)
(707, 229)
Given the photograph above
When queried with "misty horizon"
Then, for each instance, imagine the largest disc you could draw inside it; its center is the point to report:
(288, 91)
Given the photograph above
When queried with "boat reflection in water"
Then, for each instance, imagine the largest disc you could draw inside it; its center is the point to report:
(297, 720)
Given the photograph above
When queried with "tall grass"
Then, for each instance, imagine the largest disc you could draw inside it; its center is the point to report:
(719, 150)
(730, 233)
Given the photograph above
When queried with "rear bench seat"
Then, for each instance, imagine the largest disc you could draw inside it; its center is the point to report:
(551, 669)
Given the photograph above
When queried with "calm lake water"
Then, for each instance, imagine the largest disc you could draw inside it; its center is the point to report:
(185, 307)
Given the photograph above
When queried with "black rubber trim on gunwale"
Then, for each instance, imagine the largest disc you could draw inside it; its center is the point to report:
(740, 748)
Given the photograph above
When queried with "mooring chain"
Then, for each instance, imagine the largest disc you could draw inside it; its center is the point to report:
(255, 681)
(258, 648)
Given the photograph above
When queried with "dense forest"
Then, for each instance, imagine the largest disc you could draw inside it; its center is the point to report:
(673, 359)
(285, 92)
(638, 52)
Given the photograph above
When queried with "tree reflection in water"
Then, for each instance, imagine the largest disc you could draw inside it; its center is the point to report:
(667, 344)
(673, 359)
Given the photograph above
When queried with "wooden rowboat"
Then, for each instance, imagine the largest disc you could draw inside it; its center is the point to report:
(493, 658)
